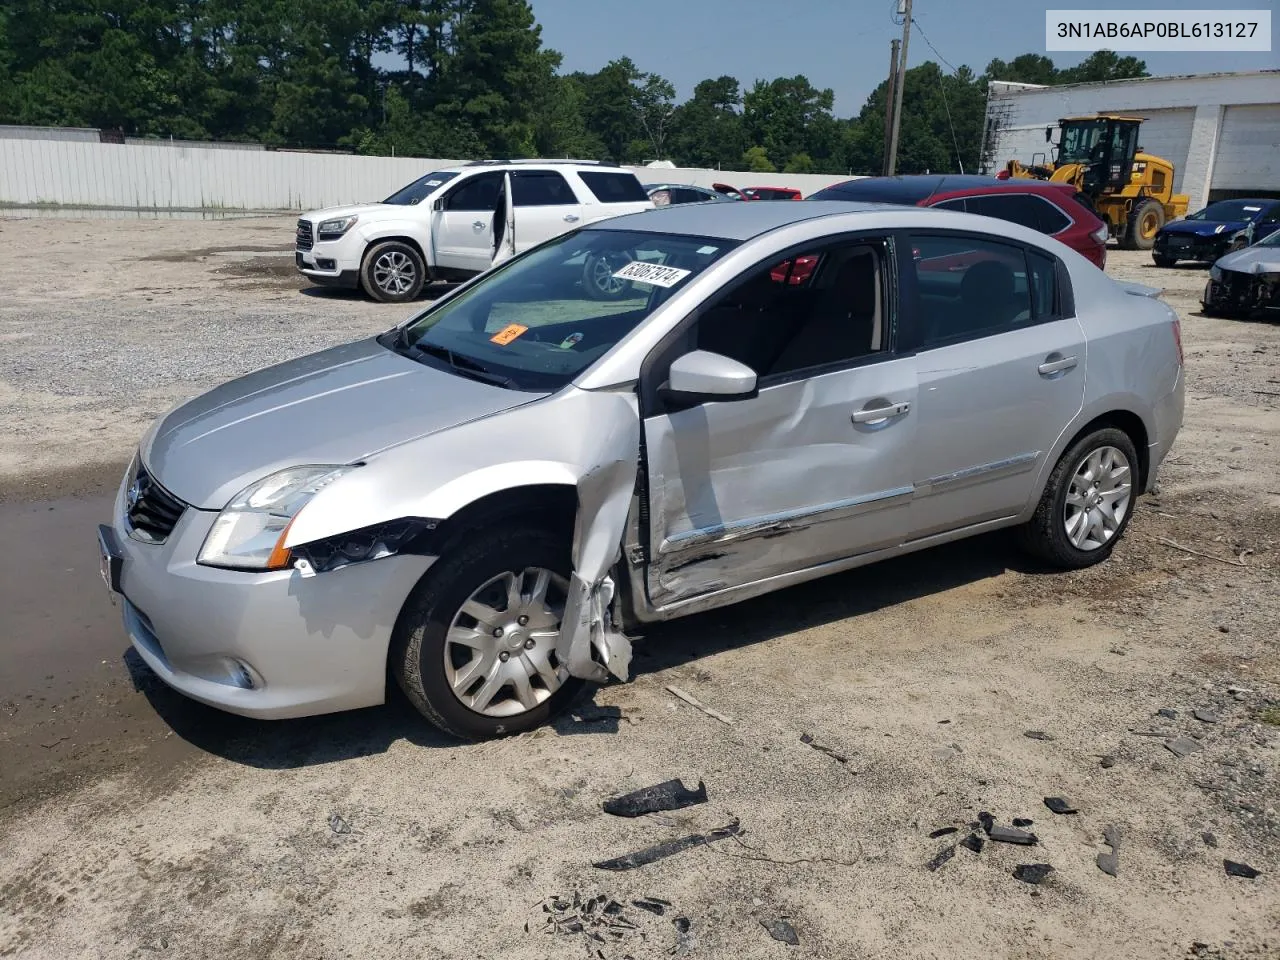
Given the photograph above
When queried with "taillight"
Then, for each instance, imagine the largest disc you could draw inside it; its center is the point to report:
(1177, 339)
(1100, 235)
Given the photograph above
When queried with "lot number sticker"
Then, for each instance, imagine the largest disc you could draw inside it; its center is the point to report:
(507, 334)
(652, 273)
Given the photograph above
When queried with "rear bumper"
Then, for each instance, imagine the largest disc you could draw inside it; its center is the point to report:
(1168, 416)
(266, 645)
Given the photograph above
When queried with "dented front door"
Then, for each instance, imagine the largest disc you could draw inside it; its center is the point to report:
(806, 472)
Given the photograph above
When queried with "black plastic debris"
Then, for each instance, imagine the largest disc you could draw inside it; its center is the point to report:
(821, 748)
(1059, 805)
(1182, 746)
(1032, 873)
(1206, 716)
(942, 832)
(1037, 735)
(781, 931)
(338, 825)
(1022, 821)
(1240, 870)
(670, 795)
(1209, 839)
(1002, 834)
(987, 821)
(655, 907)
(943, 855)
(661, 851)
(599, 919)
(1109, 862)
(973, 842)
(1167, 713)
(1107, 762)
(684, 935)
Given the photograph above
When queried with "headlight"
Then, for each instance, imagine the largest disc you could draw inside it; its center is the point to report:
(1215, 273)
(1219, 228)
(333, 229)
(249, 532)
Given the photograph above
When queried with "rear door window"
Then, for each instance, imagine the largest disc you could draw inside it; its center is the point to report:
(968, 287)
(540, 188)
(614, 187)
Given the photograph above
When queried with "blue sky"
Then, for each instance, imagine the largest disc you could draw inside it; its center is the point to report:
(841, 44)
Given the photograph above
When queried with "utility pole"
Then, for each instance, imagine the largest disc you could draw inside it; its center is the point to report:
(888, 102)
(904, 10)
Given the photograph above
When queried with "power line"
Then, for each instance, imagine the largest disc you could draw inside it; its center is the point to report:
(932, 47)
(942, 88)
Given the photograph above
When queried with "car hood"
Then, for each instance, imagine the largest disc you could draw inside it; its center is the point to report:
(1255, 260)
(1205, 228)
(333, 407)
(358, 209)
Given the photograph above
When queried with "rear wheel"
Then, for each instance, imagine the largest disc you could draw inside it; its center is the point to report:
(474, 648)
(1087, 502)
(392, 272)
(1145, 220)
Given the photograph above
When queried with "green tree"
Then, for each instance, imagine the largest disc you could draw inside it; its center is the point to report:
(788, 116)
(707, 128)
(1104, 65)
(756, 160)
(654, 105)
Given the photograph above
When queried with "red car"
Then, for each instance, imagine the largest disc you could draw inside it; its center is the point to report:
(771, 193)
(1052, 208)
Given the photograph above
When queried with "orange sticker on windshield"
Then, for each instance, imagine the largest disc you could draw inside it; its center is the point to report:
(507, 334)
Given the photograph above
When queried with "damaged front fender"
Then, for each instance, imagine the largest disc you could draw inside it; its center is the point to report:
(587, 439)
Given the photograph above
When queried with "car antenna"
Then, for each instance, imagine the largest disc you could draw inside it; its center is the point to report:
(937, 184)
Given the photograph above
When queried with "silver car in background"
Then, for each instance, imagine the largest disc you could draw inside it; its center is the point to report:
(488, 498)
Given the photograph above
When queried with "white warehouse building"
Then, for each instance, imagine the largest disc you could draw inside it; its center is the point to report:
(1221, 131)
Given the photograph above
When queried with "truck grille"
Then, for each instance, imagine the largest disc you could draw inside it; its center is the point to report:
(152, 510)
(305, 237)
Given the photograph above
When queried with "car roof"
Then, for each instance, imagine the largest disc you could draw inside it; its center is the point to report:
(519, 164)
(912, 188)
(735, 221)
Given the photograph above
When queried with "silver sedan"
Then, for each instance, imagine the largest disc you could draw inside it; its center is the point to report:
(489, 498)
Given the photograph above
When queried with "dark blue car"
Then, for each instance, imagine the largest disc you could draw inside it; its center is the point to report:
(1216, 230)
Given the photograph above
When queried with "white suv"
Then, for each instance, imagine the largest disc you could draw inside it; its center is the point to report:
(440, 227)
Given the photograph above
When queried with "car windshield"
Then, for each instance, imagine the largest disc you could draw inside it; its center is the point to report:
(1227, 210)
(539, 320)
(1270, 240)
(419, 190)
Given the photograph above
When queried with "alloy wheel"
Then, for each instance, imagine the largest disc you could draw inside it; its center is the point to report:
(499, 653)
(394, 272)
(1098, 498)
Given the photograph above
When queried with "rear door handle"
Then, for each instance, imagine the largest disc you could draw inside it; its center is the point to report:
(1050, 367)
(877, 414)
(570, 218)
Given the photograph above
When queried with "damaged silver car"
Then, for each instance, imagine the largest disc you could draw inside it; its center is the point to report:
(1246, 282)
(487, 500)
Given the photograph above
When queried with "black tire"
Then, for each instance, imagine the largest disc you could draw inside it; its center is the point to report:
(597, 279)
(418, 647)
(393, 272)
(1044, 536)
(1137, 234)
(1165, 261)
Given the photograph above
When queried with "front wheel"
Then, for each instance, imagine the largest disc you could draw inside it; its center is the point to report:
(1087, 503)
(474, 647)
(1145, 220)
(1165, 261)
(393, 272)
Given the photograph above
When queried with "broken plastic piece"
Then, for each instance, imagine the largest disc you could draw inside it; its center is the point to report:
(1037, 735)
(945, 854)
(1240, 870)
(1109, 863)
(653, 906)
(1059, 805)
(942, 832)
(670, 795)
(1022, 821)
(973, 842)
(1032, 873)
(693, 702)
(661, 851)
(338, 825)
(987, 821)
(838, 757)
(781, 931)
(1010, 835)
(1182, 746)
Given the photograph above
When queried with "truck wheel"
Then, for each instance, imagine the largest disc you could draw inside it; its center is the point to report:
(474, 646)
(392, 272)
(1145, 220)
(1087, 503)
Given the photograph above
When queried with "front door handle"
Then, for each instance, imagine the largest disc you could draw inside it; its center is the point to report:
(570, 218)
(877, 414)
(1050, 367)
(478, 224)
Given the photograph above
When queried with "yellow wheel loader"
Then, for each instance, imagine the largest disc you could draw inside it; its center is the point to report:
(1100, 156)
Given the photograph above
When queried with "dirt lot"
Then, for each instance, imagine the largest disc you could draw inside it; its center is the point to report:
(134, 823)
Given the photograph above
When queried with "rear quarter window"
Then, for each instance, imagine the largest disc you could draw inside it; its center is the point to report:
(614, 187)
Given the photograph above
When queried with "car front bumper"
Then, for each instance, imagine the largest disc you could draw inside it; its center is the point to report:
(266, 645)
(1190, 247)
(1243, 292)
(333, 263)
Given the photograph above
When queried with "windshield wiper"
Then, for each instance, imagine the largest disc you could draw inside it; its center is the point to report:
(464, 365)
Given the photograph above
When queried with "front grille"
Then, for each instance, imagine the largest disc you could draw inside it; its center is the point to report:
(152, 510)
(305, 237)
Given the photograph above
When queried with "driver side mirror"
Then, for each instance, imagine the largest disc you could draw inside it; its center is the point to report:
(702, 377)
(437, 203)
(1048, 134)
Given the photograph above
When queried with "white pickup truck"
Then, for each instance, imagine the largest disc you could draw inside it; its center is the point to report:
(440, 227)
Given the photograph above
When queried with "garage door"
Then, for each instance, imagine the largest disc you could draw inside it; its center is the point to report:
(1247, 158)
(1167, 133)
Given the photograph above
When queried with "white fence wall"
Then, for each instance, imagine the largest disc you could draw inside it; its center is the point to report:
(81, 174)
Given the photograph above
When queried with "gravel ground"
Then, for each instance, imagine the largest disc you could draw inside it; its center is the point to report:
(870, 709)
